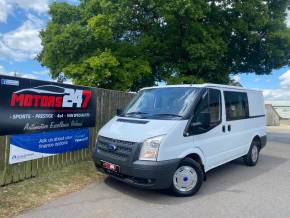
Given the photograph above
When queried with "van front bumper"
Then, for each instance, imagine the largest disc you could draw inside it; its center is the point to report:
(143, 174)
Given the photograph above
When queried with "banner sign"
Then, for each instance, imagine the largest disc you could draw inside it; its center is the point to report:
(37, 145)
(28, 106)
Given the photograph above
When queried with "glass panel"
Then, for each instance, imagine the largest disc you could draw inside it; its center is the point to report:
(236, 105)
(210, 103)
(202, 106)
(215, 105)
(170, 103)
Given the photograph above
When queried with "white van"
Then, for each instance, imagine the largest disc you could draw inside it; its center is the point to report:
(169, 137)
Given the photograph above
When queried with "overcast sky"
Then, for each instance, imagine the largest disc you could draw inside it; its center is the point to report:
(21, 21)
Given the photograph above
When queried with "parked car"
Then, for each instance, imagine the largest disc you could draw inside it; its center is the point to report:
(168, 137)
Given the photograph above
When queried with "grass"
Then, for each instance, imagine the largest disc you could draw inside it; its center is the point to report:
(21, 196)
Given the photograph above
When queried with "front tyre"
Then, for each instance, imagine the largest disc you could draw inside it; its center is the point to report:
(187, 179)
(252, 157)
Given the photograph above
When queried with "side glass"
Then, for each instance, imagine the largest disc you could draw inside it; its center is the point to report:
(215, 107)
(237, 107)
(207, 114)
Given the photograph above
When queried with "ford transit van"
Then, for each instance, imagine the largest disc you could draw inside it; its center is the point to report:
(169, 137)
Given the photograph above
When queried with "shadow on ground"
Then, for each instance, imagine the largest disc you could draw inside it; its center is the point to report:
(220, 179)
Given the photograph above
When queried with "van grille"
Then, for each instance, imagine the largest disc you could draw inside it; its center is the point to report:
(123, 149)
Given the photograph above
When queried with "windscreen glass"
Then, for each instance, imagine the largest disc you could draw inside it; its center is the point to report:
(161, 103)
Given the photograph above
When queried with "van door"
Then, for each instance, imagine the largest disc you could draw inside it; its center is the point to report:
(237, 114)
(210, 140)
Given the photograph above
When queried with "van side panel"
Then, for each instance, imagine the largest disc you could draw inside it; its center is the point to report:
(257, 121)
(256, 103)
(235, 143)
(244, 131)
(175, 145)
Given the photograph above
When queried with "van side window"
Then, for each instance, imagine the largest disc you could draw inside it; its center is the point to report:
(215, 106)
(210, 103)
(237, 106)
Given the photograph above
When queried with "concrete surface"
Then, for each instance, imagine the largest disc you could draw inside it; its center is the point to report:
(279, 134)
(232, 190)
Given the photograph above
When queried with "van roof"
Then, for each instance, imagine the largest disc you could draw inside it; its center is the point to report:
(211, 85)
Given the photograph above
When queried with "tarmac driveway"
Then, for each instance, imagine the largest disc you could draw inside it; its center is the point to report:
(232, 190)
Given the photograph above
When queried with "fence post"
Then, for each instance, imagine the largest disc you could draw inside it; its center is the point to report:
(2, 159)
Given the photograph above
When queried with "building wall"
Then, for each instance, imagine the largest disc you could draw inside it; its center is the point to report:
(282, 108)
(283, 111)
(273, 118)
(284, 122)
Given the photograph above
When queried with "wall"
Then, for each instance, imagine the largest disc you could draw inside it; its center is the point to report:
(282, 108)
(284, 122)
(273, 118)
(283, 111)
(107, 103)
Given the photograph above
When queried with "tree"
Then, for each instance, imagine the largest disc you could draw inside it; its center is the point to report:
(128, 44)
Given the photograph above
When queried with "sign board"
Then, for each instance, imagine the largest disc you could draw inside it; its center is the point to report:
(28, 106)
(37, 145)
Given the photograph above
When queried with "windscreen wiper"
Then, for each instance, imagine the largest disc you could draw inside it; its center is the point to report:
(136, 112)
(164, 114)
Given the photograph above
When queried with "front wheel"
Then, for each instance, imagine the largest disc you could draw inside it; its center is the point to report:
(252, 157)
(187, 179)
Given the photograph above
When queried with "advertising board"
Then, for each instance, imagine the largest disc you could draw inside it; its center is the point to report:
(28, 106)
(37, 145)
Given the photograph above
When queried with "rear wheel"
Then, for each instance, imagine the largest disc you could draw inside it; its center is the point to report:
(252, 157)
(187, 179)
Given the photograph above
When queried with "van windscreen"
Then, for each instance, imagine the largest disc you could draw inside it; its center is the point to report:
(161, 103)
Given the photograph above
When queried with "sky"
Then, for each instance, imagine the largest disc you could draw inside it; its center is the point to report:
(21, 21)
(20, 24)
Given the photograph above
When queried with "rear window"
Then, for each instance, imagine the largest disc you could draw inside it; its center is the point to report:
(237, 106)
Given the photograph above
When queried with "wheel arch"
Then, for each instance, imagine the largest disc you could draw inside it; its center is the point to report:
(195, 157)
(199, 159)
(257, 137)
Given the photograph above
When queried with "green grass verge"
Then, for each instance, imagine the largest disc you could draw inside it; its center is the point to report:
(30, 193)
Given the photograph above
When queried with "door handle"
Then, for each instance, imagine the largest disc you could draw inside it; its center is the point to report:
(224, 128)
(229, 128)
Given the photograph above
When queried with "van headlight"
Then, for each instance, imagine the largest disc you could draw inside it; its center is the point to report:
(150, 148)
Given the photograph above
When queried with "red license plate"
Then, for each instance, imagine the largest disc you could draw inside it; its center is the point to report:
(110, 166)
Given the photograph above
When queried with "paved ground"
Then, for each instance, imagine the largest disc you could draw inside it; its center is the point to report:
(232, 190)
(279, 134)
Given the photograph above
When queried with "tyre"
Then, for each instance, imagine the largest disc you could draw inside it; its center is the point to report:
(252, 157)
(187, 178)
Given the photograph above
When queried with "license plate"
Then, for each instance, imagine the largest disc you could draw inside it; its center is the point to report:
(110, 166)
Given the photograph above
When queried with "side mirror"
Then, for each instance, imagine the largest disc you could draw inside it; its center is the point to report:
(203, 121)
(196, 124)
(119, 111)
(199, 124)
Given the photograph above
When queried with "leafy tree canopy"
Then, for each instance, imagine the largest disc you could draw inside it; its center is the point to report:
(128, 44)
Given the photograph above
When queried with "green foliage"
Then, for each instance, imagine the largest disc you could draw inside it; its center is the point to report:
(125, 44)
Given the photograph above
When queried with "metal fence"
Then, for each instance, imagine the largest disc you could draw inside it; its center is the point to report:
(107, 103)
